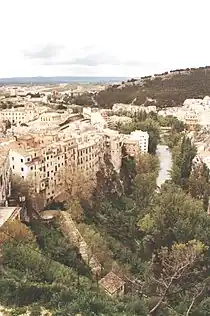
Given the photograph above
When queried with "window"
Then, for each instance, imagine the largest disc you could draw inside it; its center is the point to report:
(22, 169)
(48, 173)
(21, 160)
(31, 167)
(13, 167)
(13, 158)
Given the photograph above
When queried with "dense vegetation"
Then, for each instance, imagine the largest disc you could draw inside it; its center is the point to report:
(152, 123)
(157, 241)
(168, 89)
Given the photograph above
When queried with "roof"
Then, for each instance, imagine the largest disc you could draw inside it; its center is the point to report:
(111, 282)
(5, 213)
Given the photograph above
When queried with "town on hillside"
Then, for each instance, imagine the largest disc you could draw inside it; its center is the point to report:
(86, 180)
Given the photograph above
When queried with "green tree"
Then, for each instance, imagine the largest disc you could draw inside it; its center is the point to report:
(174, 217)
(199, 186)
(183, 155)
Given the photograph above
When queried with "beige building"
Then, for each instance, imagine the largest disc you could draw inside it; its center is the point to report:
(41, 164)
(44, 162)
(136, 142)
(46, 151)
(113, 146)
(50, 117)
(124, 109)
(191, 120)
(113, 285)
(15, 115)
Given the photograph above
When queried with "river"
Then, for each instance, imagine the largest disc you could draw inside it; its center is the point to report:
(165, 158)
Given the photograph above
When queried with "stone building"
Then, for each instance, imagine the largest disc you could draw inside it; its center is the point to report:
(113, 285)
(136, 142)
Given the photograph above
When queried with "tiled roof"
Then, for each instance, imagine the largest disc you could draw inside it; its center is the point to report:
(111, 282)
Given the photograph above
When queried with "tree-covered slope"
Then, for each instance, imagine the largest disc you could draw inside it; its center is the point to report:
(168, 89)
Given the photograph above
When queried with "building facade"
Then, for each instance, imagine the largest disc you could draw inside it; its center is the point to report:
(136, 142)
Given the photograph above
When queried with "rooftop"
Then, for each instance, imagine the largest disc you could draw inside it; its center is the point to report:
(5, 213)
(111, 282)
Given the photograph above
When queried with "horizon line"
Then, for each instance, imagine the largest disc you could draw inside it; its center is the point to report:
(60, 76)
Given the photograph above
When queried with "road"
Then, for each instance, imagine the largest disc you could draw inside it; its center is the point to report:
(165, 158)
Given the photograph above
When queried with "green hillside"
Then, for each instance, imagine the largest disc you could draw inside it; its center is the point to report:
(168, 89)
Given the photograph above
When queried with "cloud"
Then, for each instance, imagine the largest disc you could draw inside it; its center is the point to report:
(92, 60)
(136, 42)
(95, 59)
(45, 52)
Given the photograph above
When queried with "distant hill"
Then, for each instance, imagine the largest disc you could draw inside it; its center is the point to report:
(58, 80)
(167, 89)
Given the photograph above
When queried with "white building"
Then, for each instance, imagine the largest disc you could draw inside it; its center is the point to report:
(142, 138)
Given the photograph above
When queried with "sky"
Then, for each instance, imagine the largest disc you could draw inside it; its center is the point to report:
(102, 38)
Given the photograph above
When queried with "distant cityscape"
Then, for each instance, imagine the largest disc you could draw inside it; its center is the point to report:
(60, 79)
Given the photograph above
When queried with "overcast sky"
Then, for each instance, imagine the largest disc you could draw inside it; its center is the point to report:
(102, 38)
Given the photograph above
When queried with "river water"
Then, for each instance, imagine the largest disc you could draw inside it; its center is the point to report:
(165, 159)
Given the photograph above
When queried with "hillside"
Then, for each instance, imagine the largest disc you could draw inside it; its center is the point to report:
(168, 89)
(122, 250)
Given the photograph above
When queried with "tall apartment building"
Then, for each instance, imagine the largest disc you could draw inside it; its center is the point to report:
(45, 164)
(42, 164)
(136, 142)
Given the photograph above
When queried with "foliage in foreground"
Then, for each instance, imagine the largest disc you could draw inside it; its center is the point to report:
(159, 241)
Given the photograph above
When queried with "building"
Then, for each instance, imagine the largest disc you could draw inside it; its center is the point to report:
(17, 116)
(9, 214)
(50, 117)
(113, 285)
(125, 109)
(113, 147)
(41, 164)
(191, 120)
(5, 176)
(44, 160)
(136, 142)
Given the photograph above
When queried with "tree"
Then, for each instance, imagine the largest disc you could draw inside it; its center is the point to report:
(108, 182)
(127, 172)
(97, 245)
(170, 266)
(174, 217)
(75, 209)
(27, 189)
(77, 184)
(183, 156)
(199, 186)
